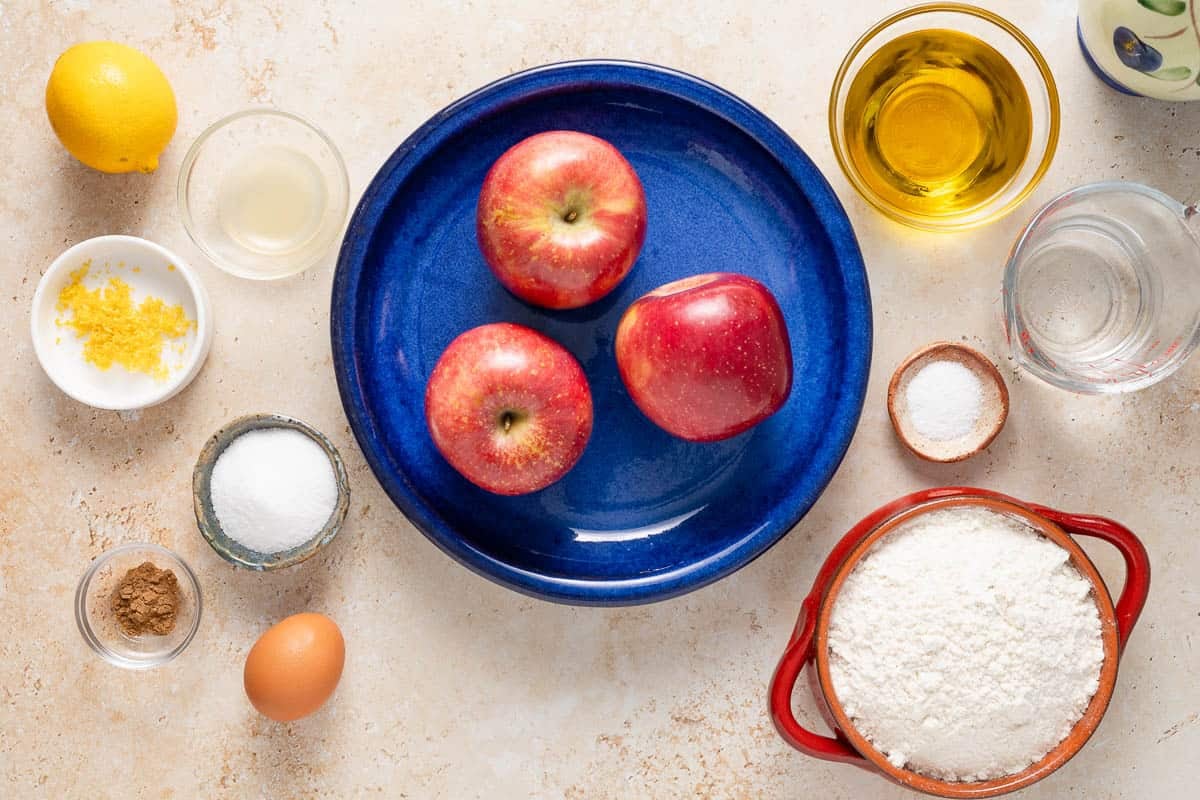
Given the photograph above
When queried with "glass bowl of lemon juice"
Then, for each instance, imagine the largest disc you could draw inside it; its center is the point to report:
(264, 194)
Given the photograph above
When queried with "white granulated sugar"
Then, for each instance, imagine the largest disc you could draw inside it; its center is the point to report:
(273, 489)
(944, 400)
(964, 645)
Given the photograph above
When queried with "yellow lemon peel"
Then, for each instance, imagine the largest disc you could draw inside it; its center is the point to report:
(118, 331)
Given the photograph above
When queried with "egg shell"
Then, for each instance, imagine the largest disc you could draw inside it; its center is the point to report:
(294, 667)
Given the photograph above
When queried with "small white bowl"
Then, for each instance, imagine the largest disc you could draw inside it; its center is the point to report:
(160, 273)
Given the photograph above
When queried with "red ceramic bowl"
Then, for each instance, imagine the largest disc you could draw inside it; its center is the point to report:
(809, 640)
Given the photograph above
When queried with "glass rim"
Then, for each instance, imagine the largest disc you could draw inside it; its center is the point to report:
(185, 176)
(954, 222)
(1014, 325)
(88, 632)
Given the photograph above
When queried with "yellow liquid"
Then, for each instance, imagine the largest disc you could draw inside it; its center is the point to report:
(937, 122)
(272, 200)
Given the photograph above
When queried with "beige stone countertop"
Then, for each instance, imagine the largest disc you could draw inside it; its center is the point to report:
(455, 687)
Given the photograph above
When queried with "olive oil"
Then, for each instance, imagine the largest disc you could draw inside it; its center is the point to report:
(937, 122)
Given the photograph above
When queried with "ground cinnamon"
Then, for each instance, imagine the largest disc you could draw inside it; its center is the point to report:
(145, 600)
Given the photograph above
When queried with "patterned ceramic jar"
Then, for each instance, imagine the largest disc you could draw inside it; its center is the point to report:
(1148, 48)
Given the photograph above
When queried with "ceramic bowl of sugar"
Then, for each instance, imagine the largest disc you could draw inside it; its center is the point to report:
(947, 402)
(269, 491)
(964, 645)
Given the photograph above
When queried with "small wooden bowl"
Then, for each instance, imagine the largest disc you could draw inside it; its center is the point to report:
(993, 409)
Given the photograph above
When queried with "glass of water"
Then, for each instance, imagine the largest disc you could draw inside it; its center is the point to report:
(1102, 290)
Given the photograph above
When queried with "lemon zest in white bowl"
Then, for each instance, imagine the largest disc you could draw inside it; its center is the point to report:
(118, 331)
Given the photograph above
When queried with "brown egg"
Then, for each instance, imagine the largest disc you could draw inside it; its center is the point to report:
(294, 667)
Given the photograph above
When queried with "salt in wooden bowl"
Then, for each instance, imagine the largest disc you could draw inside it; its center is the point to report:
(993, 406)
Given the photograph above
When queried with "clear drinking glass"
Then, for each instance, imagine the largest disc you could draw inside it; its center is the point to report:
(1102, 290)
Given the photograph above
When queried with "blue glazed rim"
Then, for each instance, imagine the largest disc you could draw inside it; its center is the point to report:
(795, 162)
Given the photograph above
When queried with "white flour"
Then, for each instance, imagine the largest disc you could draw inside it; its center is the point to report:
(965, 646)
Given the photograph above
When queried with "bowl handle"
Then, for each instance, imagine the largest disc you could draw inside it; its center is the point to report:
(1137, 562)
(799, 654)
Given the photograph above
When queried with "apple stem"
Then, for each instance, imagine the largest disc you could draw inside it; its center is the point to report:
(507, 419)
(571, 216)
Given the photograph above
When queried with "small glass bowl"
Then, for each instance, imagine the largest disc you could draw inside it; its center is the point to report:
(226, 145)
(1019, 51)
(229, 548)
(1102, 289)
(98, 625)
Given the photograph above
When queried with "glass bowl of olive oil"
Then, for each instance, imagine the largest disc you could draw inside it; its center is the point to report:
(944, 116)
(264, 193)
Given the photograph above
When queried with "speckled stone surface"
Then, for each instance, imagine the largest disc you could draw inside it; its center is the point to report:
(455, 688)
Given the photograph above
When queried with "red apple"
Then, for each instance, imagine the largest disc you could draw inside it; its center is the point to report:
(561, 219)
(509, 408)
(706, 357)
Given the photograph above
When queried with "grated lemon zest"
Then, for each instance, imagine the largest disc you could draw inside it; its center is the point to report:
(118, 331)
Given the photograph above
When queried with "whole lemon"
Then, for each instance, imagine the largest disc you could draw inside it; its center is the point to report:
(111, 107)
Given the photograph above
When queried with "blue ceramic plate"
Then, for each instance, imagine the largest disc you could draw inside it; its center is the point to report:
(643, 516)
